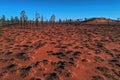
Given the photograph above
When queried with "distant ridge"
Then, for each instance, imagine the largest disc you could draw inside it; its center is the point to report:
(100, 21)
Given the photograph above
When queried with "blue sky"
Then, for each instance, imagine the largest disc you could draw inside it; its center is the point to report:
(63, 9)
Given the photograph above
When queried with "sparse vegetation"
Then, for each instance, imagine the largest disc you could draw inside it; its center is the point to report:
(52, 20)
(3, 20)
(0, 31)
(23, 18)
(37, 16)
(42, 21)
(23, 21)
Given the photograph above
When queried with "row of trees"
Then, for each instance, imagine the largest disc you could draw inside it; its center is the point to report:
(24, 21)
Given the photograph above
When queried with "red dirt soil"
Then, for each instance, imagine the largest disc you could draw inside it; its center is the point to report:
(62, 52)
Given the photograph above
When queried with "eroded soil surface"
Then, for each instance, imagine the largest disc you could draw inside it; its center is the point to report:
(62, 52)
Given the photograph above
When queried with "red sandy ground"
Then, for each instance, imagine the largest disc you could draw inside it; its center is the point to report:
(62, 52)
